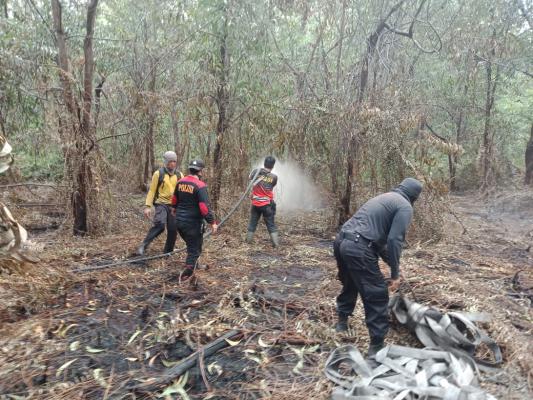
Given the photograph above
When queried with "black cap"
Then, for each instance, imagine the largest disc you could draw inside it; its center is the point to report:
(197, 164)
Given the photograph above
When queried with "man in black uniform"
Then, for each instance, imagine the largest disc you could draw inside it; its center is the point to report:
(190, 205)
(377, 229)
(263, 201)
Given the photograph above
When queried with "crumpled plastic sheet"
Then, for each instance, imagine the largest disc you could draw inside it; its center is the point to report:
(12, 234)
(402, 373)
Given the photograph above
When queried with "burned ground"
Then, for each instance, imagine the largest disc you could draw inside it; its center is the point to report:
(105, 334)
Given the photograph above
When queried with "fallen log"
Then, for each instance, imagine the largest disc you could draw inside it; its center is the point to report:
(11, 185)
(40, 228)
(28, 205)
(187, 363)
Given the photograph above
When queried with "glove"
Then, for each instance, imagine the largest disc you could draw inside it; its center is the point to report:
(273, 207)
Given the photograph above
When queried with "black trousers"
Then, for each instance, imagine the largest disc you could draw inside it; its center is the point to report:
(268, 212)
(359, 274)
(191, 232)
(162, 218)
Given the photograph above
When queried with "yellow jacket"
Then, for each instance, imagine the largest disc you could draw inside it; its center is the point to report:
(166, 189)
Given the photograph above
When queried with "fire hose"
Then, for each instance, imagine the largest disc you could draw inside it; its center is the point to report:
(447, 368)
(137, 260)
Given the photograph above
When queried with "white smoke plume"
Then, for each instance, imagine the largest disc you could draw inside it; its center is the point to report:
(295, 190)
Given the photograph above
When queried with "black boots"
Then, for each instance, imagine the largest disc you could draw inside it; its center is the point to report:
(186, 273)
(342, 324)
(374, 347)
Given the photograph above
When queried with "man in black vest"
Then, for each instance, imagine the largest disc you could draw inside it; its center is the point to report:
(378, 228)
(190, 206)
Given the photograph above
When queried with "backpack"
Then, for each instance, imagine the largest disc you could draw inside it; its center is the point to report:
(162, 172)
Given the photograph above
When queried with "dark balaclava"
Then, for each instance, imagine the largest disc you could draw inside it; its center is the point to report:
(410, 188)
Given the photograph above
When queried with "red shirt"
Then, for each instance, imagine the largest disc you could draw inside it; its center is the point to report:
(263, 190)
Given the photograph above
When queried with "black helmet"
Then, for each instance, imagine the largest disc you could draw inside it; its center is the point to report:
(197, 164)
(269, 162)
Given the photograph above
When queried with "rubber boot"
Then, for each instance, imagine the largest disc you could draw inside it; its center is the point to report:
(342, 324)
(154, 232)
(186, 273)
(249, 237)
(374, 347)
(274, 237)
(142, 249)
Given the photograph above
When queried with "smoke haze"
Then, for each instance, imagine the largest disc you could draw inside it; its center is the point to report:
(295, 190)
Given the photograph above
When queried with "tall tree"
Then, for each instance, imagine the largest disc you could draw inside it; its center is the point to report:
(221, 71)
(77, 127)
(529, 159)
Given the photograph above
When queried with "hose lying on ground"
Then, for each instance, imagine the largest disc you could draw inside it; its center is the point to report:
(446, 369)
(453, 332)
(402, 373)
(139, 260)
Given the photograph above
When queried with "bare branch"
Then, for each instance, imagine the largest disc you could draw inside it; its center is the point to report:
(480, 58)
(436, 134)
(115, 136)
(45, 22)
(525, 13)
(410, 32)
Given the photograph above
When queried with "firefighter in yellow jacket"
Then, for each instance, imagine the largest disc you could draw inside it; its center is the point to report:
(158, 201)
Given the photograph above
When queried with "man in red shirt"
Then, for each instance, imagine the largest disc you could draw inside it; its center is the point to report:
(263, 201)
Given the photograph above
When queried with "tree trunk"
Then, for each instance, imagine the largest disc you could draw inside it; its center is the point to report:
(81, 160)
(350, 166)
(486, 145)
(460, 126)
(97, 97)
(371, 43)
(149, 160)
(529, 159)
(222, 101)
(176, 133)
(453, 159)
(487, 177)
(2, 124)
(339, 50)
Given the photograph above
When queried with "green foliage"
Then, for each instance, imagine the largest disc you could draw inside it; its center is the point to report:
(45, 166)
(293, 79)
